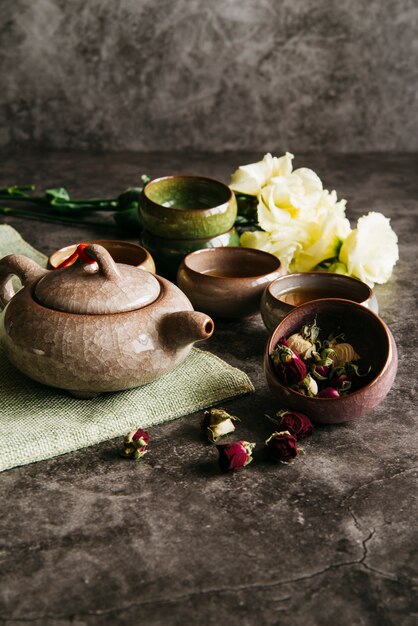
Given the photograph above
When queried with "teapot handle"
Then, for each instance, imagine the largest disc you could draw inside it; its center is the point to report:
(20, 266)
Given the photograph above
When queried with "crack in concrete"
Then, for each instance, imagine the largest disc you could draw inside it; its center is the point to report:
(376, 480)
(364, 544)
(345, 502)
(203, 592)
(238, 588)
(369, 567)
(365, 550)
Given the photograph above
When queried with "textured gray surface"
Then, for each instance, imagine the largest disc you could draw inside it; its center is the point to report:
(225, 74)
(89, 539)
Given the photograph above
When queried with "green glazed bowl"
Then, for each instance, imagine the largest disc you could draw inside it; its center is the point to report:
(169, 253)
(187, 207)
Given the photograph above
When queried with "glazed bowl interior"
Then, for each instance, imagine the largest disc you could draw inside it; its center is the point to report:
(233, 262)
(296, 289)
(187, 193)
(369, 336)
(187, 207)
(286, 292)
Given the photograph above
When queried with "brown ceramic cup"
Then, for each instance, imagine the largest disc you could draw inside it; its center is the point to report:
(120, 251)
(370, 337)
(282, 295)
(228, 282)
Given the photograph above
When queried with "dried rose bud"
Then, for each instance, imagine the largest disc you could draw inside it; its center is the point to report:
(79, 253)
(290, 368)
(342, 382)
(300, 346)
(338, 379)
(328, 392)
(343, 353)
(135, 444)
(321, 371)
(281, 447)
(309, 386)
(323, 358)
(217, 423)
(310, 332)
(297, 424)
(234, 456)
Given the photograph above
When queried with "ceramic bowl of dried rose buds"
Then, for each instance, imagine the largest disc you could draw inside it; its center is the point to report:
(332, 359)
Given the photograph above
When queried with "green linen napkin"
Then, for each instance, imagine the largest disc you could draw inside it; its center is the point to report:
(12, 243)
(38, 422)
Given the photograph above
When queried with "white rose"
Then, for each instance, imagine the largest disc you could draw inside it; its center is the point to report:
(300, 189)
(256, 239)
(286, 206)
(283, 242)
(371, 250)
(251, 178)
(325, 234)
(289, 197)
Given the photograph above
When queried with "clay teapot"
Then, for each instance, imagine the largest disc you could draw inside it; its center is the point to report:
(96, 325)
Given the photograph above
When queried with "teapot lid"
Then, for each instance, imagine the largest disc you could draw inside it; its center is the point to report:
(96, 285)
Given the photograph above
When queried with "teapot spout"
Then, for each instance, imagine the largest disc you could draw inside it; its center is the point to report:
(186, 327)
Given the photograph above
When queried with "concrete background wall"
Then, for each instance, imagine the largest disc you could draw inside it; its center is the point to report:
(336, 75)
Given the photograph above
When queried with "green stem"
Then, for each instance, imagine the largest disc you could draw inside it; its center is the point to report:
(17, 190)
(72, 205)
(48, 217)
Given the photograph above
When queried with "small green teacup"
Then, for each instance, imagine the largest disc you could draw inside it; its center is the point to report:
(187, 207)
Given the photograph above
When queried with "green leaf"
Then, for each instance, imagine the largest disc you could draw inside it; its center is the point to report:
(247, 209)
(128, 219)
(57, 195)
(338, 268)
(129, 199)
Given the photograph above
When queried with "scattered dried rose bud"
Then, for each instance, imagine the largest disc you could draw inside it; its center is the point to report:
(281, 447)
(343, 353)
(328, 392)
(297, 424)
(290, 368)
(234, 456)
(217, 423)
(135, 444)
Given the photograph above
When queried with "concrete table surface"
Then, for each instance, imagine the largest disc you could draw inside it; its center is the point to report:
(90, 539)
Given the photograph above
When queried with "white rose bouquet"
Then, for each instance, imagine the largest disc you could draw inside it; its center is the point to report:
(305, 225)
